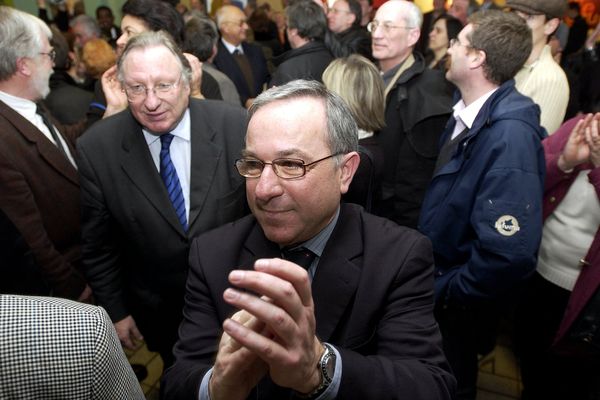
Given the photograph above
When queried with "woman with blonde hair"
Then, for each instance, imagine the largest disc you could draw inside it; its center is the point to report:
(357, 80)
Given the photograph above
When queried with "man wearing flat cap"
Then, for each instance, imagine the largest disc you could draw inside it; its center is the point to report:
(541, 78)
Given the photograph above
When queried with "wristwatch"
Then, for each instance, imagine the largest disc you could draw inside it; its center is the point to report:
(326, 367)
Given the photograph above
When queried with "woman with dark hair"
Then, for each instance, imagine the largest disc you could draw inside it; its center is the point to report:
(444, 29)
(153, 16)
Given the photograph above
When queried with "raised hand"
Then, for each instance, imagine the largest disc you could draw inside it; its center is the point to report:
(592, 138)
(116, 100)
(576, 150)
(288, 345)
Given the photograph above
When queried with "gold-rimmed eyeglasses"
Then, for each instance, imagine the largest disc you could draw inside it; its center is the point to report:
(51, 54)
(285, 168)
(137, 92)
(386, 26)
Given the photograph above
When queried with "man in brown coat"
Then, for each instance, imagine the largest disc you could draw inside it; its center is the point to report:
(38, 176)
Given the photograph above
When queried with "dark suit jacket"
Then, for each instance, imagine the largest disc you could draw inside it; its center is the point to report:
(373, 294)
(39, 193)
(225, 62)
(135, 250)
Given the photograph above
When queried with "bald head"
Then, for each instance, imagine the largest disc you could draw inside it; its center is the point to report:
(232, 24)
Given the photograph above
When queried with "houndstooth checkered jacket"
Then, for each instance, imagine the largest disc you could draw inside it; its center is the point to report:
(53, 348)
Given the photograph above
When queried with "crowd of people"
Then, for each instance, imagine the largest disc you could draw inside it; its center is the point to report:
(279, 201)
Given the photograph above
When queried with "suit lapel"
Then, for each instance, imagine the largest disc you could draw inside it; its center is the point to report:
(258, 246)
(338, 272)
(204, 160)
(46, 149)
(137, 163)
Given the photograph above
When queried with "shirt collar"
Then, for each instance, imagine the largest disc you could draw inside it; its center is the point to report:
(26, 108)
(231, 48)
(317, 243)
(467, 114)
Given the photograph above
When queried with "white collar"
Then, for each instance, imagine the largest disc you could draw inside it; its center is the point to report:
(467, 114)
(231, 48)
(25, 107)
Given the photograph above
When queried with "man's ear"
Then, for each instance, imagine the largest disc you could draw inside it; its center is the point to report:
(413, 36)
(478, 59)
(291, 33)
(353, 16)
(551, 26)
(348, 168)
(24, 66)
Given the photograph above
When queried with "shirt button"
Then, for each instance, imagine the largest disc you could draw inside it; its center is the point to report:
(552, 199)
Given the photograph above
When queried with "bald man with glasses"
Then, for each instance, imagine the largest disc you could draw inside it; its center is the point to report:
(307, 294)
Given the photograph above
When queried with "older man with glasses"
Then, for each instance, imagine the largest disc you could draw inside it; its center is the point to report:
(307, 294)
(153, 177)
(38, 174)
(418, 104)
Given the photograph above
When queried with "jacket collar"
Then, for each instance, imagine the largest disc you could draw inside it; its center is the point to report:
(46, 149)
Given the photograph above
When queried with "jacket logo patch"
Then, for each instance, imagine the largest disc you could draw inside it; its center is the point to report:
(507, 225)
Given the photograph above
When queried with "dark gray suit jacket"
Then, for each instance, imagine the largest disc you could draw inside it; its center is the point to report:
(134, 248)
(373, 295)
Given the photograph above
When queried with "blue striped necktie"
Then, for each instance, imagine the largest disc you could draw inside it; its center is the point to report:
(168, 173)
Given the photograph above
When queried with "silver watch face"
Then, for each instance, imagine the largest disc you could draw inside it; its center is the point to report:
(328, 365)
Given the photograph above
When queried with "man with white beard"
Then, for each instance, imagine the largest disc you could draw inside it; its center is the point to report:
(38, 174)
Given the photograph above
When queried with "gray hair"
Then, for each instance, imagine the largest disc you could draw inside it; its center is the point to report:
(342, 131)
(88, 23)
(155, 39)
(20, 36)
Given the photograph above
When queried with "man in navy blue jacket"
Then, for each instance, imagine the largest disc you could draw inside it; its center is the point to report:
(483, 209)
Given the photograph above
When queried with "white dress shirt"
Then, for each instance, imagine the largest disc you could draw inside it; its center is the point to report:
(27, 109)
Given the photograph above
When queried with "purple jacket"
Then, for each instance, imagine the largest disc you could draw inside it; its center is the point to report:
(556, 187)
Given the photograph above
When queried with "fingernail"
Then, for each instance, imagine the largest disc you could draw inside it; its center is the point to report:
(261, 264)
(236, 276)
(230, 294)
